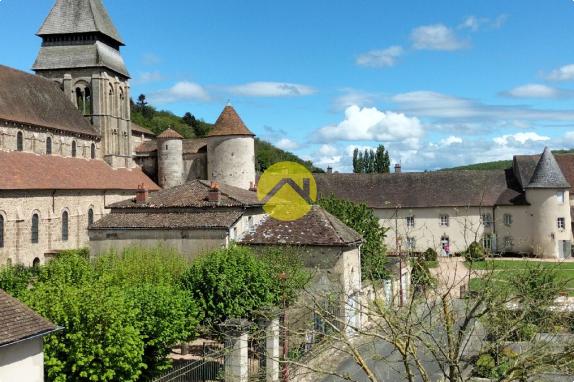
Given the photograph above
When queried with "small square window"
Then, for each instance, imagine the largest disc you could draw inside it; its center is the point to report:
(561, 223)
(444, 220)
(486, 220)
(410, 221)
(411, 243)
(507, 219)
(508, 243)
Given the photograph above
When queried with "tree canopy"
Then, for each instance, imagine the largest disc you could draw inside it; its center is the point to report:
(371, 161)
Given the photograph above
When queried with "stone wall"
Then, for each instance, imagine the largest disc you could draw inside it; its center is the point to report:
(18, 207)
(231, 160)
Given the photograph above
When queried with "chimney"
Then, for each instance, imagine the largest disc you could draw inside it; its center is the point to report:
(253, 186)
(397, 168)
(214, 194)
(329, 170)
(141, 194)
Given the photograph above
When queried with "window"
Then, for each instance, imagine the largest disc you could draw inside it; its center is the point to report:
(560, 197)
(444, 220)
(410, 221)
(65, 231)
(90, 217)
(250, 224)
(93, 151)
(507, 219)
(561, 223)
(1, 231)
(411, 243)
(20, 141)
(508, 243)
(487, 242)
(486, 220)
(35, 228)
(74, 149)
(48, 145)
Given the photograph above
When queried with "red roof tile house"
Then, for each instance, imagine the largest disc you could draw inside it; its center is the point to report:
(21, 333)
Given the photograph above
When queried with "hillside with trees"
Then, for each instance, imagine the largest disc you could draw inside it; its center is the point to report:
(501, 164)
(189, 126)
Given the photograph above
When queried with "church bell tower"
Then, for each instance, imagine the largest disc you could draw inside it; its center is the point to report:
(81, 52)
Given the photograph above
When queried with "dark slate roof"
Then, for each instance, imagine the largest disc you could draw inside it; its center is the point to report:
(34, 100)
(28, 171)
(190, 146)
(170, 134)
(96, 55)
(524, 166)
(201, 219)
(141, 130)
(429, 189)
(194, 195)
(18, 322)
(79, 16)
(229, 123)
(317, 228)
(547, 173)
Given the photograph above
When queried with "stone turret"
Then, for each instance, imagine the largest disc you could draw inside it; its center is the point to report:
(231, 151)
(170, 158)
(548, 196)
(81, 53)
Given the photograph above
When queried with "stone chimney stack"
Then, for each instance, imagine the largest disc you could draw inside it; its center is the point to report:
(141, 194)
(329, 170)
(397, 168)
(214, 194)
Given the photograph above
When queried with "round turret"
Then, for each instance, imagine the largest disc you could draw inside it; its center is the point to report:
(170, 159)
(231, 151)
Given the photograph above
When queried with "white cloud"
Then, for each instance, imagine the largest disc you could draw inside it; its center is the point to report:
(271, 89)
(564, 73)
(287, 144)
(352, 97)
(436, 37)
(475, 23)
(151, 59)
(148, 77)
(534, 91)
(569, 137)
(521, 138)
(380, 58)
(372, 124)
(451, 141)
(328, 150)
(181, 91)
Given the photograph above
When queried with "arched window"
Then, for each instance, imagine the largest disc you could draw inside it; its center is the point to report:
(80, 100)
(90, 217)
(35, 228)
(65, 231)
(74, 149)
(48, 145)
(20, 141)
(1, 231)
(93, 151)
(36, 263)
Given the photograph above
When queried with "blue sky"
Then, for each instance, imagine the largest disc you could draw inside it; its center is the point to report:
(439, 83)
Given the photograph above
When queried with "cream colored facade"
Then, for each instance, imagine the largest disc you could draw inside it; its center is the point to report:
(22, 361)
(231, 160)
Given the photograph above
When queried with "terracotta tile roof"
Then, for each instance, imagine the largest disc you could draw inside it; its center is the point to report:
(18, 322)
(194, 195)
(190, 146)
(202, 219)
(139, 129)
(430, 189)
(79, 16)
(317, 228)
(170, 134)
(26, 171)
(229, 123)
(34, 100)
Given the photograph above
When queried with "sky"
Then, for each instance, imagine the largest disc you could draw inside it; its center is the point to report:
(438, 83)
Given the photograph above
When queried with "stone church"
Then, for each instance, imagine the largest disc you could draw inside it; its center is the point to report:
(68, 149)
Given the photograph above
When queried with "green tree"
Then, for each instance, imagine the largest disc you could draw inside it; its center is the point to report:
(362, 219)
(382, 160)
(356, 167)
(16, 279)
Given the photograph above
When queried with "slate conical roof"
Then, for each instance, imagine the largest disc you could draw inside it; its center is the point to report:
(229, 123)
(79, 16)
(547, 173)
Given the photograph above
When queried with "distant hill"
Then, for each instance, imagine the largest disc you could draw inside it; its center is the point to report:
(189, 127)
(499, 165)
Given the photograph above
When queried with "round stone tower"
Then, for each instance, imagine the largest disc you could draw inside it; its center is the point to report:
(231, 151)
(170, 158)
(549, 199)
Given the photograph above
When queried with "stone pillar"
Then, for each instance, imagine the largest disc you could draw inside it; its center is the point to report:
(272, 350)
(236, 350)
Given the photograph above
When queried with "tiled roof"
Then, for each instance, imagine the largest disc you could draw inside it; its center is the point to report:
(202, 219)
(547, 173)
(97, 54)
(79, 16)
(170, 134)
(139, 129)
(27, 171)
(190, 146)
(194, 195)
(34, 100)
(18, 322)
(430, 189)
(524, 166)
(317, 228)
(229, 123)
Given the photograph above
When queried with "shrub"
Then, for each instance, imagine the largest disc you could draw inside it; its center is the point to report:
(475, 252)
(420, 275)
(430, 255)
(16, 279)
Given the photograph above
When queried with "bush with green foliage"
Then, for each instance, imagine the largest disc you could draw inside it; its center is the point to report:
(430, 255)
(363, 220)
(16, 279)
(421, 278)
(475, 252)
